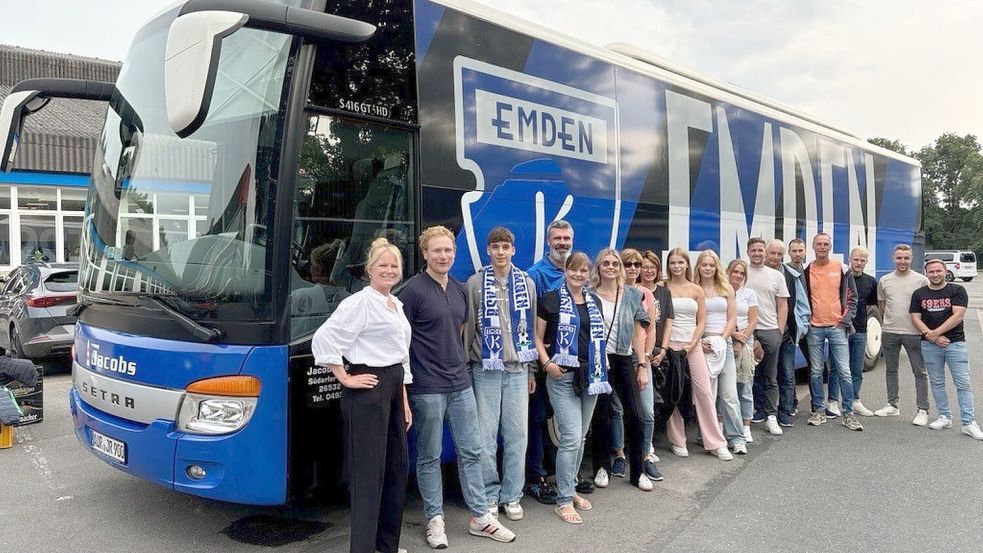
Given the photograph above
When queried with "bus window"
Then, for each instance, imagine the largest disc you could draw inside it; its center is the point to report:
(355, 185)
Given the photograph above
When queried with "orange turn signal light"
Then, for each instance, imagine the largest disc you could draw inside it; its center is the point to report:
(235, 386)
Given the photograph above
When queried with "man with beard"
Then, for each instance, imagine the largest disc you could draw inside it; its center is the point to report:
(772, 292)
(546, 274)
(796, 327)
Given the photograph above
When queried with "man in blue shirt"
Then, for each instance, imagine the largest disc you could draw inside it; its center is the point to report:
(436, 306)
(546, 274)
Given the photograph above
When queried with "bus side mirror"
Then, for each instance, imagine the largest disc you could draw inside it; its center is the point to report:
(194, 47)
(16, 107)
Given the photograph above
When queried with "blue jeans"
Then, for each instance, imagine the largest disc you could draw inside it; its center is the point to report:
(461, 413)
(858, 352)
(955, 356)
(839, 359)
(502, 399)
(786, 380)
(573, 413)
(728, 400)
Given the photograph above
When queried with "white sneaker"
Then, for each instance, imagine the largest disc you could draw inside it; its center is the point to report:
(887, 411)
(771, 425)
(513, 511)
(436, 537)
(859, 409)
(973, 431)
(644, 483)
(723, 454)
(921, 419)
(601, 479)
(740, 448)
(747, 435)
(680, 451)
(653, 457)
(487, 526)
(941, 423)
(834, 408)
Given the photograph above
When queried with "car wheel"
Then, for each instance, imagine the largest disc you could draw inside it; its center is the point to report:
(967, 279)
(949, 277)
(15, 351)
(873, 349)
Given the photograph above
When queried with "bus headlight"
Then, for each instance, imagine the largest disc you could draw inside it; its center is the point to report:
(214, 415)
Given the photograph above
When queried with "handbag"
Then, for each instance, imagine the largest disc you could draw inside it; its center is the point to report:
(745, 365)
(676, 377)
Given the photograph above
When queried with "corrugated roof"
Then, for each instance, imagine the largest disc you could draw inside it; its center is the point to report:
(63, 136)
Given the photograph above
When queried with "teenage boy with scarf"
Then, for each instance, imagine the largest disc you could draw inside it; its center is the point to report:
(436, 306)
(500, 348)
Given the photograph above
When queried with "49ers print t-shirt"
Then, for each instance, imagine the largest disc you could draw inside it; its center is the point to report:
(936, 306)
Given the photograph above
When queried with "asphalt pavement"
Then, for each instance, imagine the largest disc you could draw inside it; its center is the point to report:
(893, 487)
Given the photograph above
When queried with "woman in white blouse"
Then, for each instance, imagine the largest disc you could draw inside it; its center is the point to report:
(370, 334)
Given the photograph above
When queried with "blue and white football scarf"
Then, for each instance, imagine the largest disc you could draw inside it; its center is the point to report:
(566, 345)
(492, 345)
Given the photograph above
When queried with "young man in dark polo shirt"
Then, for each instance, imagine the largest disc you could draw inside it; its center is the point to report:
(436, 306)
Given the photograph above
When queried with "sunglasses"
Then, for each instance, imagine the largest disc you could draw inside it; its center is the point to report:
(636, 264)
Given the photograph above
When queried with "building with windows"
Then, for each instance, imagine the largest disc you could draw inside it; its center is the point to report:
(42, 200)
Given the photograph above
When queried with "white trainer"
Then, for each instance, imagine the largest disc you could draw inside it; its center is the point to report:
(921, 419)
(887, 411)
(653, 457)
(513, 511)
(740, 448)
(834, 408)
(941, 423)
(601, 479)
(487, 526)
(973, 431)
(680, 451)
(747, 434)
(859, 409)
(723, 454)
(644, 483)
(771, 425)
(436, 536)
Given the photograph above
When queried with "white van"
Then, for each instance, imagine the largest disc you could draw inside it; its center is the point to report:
(958, 263)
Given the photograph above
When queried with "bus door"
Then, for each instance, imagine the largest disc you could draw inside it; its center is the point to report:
(355, 183)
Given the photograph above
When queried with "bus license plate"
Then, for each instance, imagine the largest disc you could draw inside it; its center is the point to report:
(114, 449)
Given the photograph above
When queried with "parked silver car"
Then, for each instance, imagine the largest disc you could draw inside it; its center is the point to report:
(34, 306)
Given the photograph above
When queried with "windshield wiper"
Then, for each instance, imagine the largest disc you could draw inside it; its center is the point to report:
(196, 329)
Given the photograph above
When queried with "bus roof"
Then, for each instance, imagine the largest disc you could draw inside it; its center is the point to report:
(642, 61)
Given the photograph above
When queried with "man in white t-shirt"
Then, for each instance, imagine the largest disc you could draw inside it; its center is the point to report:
(772, 292)
(894, 299)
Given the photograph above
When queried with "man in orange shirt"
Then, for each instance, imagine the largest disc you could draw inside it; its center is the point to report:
(832, 295)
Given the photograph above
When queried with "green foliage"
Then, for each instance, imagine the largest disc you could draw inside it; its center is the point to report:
(952, 190)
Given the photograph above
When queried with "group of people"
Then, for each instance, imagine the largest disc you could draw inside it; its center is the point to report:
(580, 338)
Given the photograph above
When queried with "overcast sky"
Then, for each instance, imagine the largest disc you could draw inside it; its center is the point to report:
(902, 69)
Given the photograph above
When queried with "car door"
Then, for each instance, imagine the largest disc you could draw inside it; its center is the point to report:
(8, 298)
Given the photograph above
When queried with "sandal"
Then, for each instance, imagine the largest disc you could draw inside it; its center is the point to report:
(581, 503)
(568, 514)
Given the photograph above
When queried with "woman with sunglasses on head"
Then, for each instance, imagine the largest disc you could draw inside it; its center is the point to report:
(721, 322)
(689, 306)
(625, 320)
(746, 303)
(571, 348)
(650, 278)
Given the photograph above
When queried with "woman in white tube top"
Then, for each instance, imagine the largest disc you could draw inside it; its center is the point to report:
(689, 306)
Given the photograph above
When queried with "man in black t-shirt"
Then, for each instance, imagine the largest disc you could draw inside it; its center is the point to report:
(937, 310)
(866, 296)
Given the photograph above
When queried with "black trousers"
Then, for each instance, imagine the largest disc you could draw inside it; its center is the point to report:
(621, 375)
(375, 459)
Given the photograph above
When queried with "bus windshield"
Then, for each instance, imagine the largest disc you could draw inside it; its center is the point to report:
(189, 218)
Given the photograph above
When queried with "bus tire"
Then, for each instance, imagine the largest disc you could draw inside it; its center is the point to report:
(873, 348)
(967, 279)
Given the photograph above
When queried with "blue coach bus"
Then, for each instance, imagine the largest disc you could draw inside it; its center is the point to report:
(252, 151)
